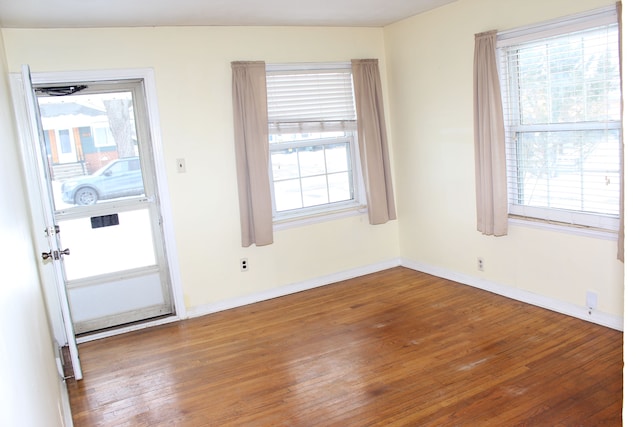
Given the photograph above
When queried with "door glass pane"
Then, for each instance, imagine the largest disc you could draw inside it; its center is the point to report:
(107, 244)
(92, 147)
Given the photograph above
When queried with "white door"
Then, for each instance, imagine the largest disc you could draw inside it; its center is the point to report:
(52, 255)
(106, 207)
(108, 211)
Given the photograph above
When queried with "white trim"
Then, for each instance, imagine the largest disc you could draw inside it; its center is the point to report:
(307, 66)
(65, 405)
(292, 288)
(163, 190)
(91, 75)
(284, 223)
(580, 312)
(595, 233)
(125, 329)
(567, 24)
(564, 216)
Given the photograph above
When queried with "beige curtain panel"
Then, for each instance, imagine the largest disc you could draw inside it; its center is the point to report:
(249, 85)
(372, 139)
(490, 157)
(621, 229)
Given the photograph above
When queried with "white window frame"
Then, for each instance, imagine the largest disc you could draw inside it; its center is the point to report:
(331, 210)
(561, 26)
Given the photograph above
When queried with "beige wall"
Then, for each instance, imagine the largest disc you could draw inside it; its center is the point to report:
(430, 59)
(30, 393)
(631, 89)
(193, 79)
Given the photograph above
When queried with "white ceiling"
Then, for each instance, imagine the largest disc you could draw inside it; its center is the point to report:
(136, 13)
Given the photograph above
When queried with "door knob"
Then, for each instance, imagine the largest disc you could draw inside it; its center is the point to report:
(55, 254)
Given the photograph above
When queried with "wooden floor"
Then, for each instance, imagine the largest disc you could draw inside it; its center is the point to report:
(393, 348)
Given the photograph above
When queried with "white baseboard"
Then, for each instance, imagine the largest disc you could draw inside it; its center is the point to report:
(291, 288)
(580, 312)
(600, 318)
(127, 328)
(65, 406)
(597, 317)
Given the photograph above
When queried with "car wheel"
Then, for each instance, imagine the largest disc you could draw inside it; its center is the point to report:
(86, 196)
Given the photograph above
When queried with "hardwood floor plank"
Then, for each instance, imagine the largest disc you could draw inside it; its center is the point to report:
(396, 347)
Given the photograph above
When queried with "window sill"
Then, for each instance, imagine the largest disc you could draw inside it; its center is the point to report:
(577, 230)
(317, 217)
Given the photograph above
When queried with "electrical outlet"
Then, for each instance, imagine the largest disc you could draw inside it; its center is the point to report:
(480, 264)
(244, 264)
(592, 300)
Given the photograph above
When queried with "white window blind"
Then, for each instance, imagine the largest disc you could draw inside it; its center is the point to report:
(318, 100)
(561, 100)
(312, 131)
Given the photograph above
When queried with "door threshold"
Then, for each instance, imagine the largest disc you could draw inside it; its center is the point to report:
(123, 329)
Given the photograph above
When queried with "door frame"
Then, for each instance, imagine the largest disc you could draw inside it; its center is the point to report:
(34, 187)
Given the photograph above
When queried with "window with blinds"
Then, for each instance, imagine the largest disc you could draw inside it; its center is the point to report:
(561, 99)
(312, 131)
